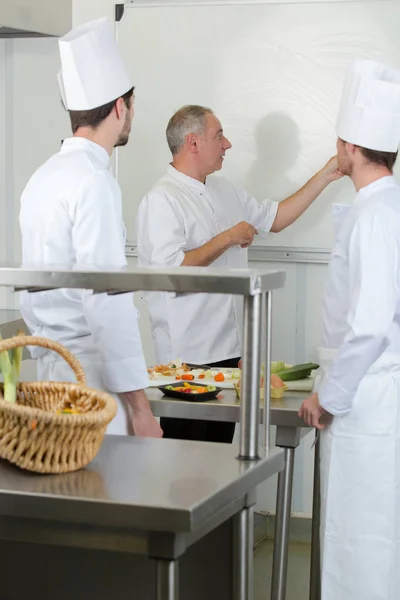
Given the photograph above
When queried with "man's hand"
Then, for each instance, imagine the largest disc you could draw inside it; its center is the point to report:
(311, 412)
(242, 234)
(143, 422)
(331, 170)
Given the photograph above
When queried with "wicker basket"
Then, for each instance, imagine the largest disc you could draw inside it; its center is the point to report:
(35, 436)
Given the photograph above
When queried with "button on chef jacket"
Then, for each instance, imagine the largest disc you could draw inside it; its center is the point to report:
(71, 216)
(361, 314)
(178, 215)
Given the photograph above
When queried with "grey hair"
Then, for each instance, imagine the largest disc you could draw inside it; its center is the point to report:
(188, 119)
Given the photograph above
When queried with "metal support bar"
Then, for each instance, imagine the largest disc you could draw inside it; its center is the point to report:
(250, 392)
(167, 580)
(243, 544)
(282, 523)
(267, 311)
(315, 572)
(32, 290)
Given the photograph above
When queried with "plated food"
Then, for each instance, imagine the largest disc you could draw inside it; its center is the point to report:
(180, 371)
(192, 392)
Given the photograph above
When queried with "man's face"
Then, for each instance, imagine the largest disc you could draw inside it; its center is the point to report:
(212, 145)
(127, 126)
(345, 162)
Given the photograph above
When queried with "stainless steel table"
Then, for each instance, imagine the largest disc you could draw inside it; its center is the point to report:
(256, 286)
(148, 497)
(290, 428)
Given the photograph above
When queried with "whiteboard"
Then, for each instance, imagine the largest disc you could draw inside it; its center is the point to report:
(273, 74)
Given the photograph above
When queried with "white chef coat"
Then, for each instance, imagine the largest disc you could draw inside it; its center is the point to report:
(180, 214)
(360, 373)
(71, 217)
(361, 314)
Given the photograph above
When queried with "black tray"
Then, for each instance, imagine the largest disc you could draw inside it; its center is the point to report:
(189, 397)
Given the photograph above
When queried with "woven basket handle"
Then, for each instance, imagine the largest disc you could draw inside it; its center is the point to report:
(29, 340)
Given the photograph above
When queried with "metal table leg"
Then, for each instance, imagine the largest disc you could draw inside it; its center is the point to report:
(315, 572)
(167, 580)
(289, 439)
(282, 522)
(243, 544)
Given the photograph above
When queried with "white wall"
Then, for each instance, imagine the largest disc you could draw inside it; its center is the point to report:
(86, 10)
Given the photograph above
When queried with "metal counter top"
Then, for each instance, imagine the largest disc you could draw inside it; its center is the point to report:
(284, 412)
(212, 280)
(137, 483)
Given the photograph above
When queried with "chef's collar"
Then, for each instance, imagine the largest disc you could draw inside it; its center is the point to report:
(79, 143)
(369, 189)
(185, 179)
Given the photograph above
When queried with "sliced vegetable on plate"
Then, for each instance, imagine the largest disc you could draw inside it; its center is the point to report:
(191, 391)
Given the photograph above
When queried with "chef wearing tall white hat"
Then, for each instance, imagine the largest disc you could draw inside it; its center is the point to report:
(71, 216)
(359, 382)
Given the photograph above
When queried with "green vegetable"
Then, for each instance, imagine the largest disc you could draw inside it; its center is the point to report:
(211, 388)
(10, 365)
(297, 372)
(277, 366)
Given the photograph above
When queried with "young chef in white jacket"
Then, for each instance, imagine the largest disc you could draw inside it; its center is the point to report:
(360, 362)
(71, 217)
(191, 218)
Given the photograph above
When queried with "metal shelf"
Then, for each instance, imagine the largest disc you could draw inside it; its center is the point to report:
(245, 282)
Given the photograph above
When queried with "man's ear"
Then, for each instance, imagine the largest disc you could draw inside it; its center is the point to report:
(192, 143)
(119, 107)
(351, 148)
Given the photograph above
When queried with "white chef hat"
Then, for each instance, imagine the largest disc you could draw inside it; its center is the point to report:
(92, 70)
(369, 113)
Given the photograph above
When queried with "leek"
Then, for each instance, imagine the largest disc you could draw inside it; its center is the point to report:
(10, 366)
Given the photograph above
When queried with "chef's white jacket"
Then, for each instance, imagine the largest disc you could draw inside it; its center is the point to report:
(361, 314)
(178, 215)
(71, 217)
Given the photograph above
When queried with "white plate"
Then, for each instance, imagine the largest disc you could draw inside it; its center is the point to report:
(228, 384)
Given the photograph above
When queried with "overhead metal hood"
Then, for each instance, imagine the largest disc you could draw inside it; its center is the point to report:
(35, 18)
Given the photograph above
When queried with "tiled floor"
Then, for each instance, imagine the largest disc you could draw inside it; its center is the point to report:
(298, 573)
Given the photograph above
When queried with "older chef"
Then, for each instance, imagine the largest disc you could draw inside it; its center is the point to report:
(190, 218)
(360, 375)
(71, 216)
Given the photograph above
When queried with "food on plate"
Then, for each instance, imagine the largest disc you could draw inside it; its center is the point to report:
(187, 377)
(228, 374)
(179, 370)
(175, 368)
(176, 364)
(189, 388)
